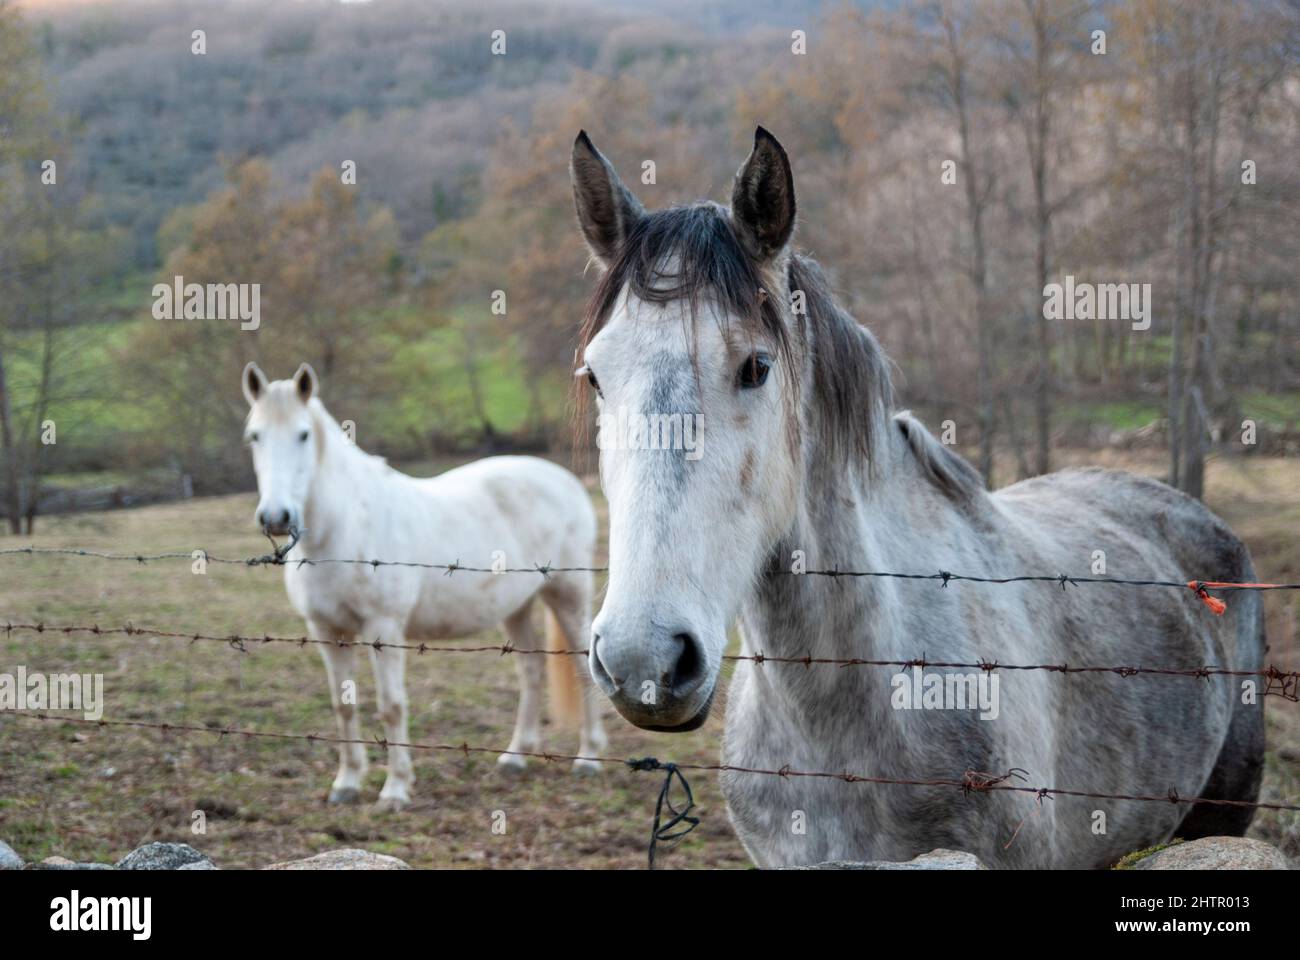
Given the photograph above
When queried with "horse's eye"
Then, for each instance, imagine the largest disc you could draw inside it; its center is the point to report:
(302, 437)
(591, 379)
(252, 437)
(753, 372)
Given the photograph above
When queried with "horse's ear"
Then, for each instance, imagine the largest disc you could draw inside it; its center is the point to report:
(306, 382)
(254, 382)
(607, 210)
(762, 202)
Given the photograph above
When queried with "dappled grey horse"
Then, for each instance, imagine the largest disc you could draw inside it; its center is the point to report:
(802, 463)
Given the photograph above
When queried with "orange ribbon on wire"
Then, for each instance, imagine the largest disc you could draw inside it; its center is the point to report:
(1217, 606)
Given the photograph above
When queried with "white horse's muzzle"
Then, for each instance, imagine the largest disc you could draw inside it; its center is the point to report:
(657, 678)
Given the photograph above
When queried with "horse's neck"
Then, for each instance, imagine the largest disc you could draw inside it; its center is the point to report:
(342, 471)
(844, 522)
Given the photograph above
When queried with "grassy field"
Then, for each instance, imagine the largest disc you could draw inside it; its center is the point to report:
(93, 794)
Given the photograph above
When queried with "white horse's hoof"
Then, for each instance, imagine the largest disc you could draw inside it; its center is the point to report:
(586, 768)
(347, 795)
(391, 804)
(512, 763)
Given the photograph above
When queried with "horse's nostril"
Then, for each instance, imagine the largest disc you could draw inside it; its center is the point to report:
(598, 670)
(284, 517)
(688, 671)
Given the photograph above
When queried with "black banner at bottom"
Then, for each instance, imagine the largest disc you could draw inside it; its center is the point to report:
(332, 909)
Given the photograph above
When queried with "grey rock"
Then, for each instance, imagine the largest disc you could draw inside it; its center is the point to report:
(1216, 853)
(9, 859)
(161, 856)
(939, 859)
(63, 863)
(346, 859)
(198, 865)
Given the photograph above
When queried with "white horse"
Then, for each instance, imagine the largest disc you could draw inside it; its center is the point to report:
(349, 505)
(704, 310)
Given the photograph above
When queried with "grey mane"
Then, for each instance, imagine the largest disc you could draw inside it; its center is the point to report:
(852, 392)
(699, 244)
(948, 471)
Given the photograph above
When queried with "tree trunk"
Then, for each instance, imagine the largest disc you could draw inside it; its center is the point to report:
(12, 490)
(35, 461)
(1184, 305)
(1043, 217)
(1203, 112)
(979, 267)
(1197, 421)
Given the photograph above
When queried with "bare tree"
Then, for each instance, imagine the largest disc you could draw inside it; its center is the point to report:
(955, 52)
(24, 126)
(1039, 71)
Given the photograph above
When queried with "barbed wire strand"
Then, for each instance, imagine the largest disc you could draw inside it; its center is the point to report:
(279, 557)
(969, 782)
(1279, 683)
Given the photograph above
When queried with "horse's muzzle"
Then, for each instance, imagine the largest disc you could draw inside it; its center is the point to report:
(694, 723)
(276, 522)
(671, 716)
(661, 707)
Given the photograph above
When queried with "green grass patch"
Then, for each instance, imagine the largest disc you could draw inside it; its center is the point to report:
(1280, 409)
(1116, 415)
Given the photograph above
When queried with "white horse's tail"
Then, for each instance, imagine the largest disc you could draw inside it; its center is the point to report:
(561, 675)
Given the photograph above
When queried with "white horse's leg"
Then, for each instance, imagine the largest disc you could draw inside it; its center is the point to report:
(571, 604)
(531, 668)
(340, 669)
(389, 663)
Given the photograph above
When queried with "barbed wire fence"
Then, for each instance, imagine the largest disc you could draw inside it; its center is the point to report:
(971, 781)
(1280, 683)
(679, 822)
(279, 557)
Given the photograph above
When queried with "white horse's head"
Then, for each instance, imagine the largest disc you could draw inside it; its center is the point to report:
(281, 431)
(689, 325)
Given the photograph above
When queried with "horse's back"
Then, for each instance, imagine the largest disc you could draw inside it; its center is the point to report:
(1145, 530)
(1149, 530)
(527, 471)
(1202, 545)
(545, 508)
(521, 487)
